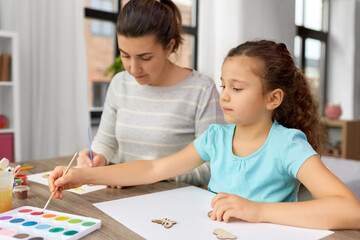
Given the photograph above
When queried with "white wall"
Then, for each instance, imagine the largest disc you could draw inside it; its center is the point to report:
(226, 24)
(274, 20)
(342, 88)
(52, 77)
(357, 63)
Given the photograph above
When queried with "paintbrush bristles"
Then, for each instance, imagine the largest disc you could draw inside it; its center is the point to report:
(48, 201)
(66, 170)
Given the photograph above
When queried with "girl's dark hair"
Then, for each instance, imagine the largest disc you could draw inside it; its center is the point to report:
(298, 109)
(142, 17)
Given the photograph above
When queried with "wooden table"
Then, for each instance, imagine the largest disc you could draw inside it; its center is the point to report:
(82, 204)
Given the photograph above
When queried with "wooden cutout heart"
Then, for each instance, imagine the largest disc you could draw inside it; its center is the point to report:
(222, 234)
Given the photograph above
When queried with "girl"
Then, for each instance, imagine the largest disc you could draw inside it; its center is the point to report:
(155, 108)
(259, 160)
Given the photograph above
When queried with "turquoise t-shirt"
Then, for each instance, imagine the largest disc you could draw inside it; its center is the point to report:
(268, 175)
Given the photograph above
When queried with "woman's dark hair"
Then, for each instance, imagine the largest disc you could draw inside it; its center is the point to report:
(298, 109)
(143, 17)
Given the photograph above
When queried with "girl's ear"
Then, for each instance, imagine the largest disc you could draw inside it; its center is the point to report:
(169, 48)
(274, 99)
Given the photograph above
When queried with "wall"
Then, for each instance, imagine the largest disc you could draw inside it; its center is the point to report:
(344, 49)
(224, 26)
(357, 63)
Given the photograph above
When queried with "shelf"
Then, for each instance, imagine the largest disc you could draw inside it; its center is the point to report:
(338, 122)
(7, 34)
(331, 155)
(7, 130)
(96, 109)
(343, 138)
(10, 98)
(6, 84)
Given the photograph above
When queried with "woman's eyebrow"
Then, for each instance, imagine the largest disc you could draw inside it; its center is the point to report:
(122, 51)
(140, 55)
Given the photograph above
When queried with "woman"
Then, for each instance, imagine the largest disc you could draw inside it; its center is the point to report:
(155, 108)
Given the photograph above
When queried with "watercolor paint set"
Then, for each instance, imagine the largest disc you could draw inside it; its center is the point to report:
(31, 223)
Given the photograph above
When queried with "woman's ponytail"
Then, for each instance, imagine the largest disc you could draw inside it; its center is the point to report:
(144, 17)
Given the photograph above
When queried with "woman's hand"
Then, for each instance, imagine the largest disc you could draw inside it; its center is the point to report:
(226, 205)
(84, 160)
(70, 180)
(114, 186)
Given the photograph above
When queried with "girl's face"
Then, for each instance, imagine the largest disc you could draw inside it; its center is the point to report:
(242, 98)
(144, 58)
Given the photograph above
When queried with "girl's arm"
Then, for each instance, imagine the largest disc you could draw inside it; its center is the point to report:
(334, 207)
(127, 174)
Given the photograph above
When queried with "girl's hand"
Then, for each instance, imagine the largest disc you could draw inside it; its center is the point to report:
(227, 205)
(84, 160)
(70, 180)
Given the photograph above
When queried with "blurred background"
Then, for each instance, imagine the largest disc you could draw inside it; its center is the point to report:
(62, 50)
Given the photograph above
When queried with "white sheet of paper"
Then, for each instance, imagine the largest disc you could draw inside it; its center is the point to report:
(189, 206)
(39, 178)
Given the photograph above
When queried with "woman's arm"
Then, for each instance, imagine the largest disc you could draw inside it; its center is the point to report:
(105, 143)
(334, 207)
(127, 174)
(210, 112)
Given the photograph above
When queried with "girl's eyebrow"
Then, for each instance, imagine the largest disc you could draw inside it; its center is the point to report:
(239, 81)
(234, 80)
(140, 55)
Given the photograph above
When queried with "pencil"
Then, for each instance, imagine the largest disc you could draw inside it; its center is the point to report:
(25, 168)
(91, 157)
(66, 170)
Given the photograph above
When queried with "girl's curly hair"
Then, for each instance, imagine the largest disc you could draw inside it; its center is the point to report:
(298, 109)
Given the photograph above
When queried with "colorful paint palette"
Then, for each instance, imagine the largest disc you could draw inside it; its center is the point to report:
(31, 224)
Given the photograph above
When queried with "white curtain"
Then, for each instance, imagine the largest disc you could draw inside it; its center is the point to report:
(53, 78)
(226, 24)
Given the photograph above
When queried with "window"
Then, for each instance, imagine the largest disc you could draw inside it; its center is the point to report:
(101, 45)
(103, 5)
(311, 19)
(99, 27)
(102, 28)
(101, 49)
(186, 56)
(99, 93)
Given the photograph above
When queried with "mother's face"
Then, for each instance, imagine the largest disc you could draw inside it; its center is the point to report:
(143, 58)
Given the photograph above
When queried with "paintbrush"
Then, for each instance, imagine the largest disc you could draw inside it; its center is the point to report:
(91, 156)
(66, 170)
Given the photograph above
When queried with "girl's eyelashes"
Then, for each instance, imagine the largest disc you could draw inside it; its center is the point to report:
(237, 89)
(124, 56)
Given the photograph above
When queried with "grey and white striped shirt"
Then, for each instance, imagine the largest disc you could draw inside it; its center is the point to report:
(146, 122)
